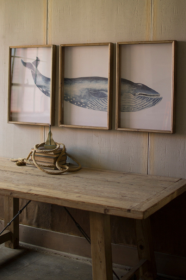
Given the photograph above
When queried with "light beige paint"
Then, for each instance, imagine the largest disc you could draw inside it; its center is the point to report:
(22, 22)
(86, 21)
(68, 21)
(167, 153)
(102, 21)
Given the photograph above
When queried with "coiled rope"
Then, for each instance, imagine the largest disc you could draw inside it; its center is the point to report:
(61, 168)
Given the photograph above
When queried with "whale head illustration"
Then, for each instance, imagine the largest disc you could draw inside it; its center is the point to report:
(137, 96)
(87, 92)
(42, 82)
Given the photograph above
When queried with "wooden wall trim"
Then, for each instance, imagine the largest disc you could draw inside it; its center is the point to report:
(169, 265)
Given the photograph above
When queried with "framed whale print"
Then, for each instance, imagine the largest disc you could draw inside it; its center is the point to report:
(85, 86)
(145, 86)
(31, 86)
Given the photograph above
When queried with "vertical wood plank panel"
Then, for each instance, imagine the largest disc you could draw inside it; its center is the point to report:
(98, 21)
(145, 245)
(111, 150)
(168, 152)
(22, 22)
(102, 21)
(101, 246)
(11, 207)
(69, 21)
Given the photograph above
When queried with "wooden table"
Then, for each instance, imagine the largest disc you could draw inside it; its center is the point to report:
(101, 192)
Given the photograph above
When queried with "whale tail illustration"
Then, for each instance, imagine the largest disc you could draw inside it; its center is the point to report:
(42, 82)
(31, 65)
(36, 62)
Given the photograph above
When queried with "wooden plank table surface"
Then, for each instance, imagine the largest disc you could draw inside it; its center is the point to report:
(101, 192)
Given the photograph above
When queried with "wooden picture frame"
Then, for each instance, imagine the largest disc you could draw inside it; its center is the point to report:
(145, 86)
(85, 85)
(31, 85)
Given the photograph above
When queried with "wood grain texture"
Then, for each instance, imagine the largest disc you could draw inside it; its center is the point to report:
(72, 22)
(110, 85)
(167, 264)
(21, 23)
(111, 150)
(118, 81)
(136, 272)
(118, 74)
(24, 22)
(145, 247)
(53, 51)
(61, 85)
(101, 246)
(5, 236)
(11, 207)
(167, 153)
(121, 194)
(163, 27)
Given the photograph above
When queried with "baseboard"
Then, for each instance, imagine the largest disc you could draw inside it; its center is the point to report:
(170, 265)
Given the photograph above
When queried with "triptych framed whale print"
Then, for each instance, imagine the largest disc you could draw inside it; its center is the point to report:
(31, 96)
(85, 86)
(145, 86)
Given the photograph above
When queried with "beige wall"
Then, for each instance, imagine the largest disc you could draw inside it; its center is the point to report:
(24, 22)
(27, 22)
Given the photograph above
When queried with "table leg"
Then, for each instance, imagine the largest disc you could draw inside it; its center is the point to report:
(145, 247)
(11, 207)
(101, 246)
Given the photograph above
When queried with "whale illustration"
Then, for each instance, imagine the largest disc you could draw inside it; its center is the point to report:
(92, 93)
(42, 82)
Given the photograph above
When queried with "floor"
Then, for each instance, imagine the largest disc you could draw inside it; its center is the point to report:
(29, 263)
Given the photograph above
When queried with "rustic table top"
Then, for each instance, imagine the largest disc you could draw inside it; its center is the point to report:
(115, 193)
